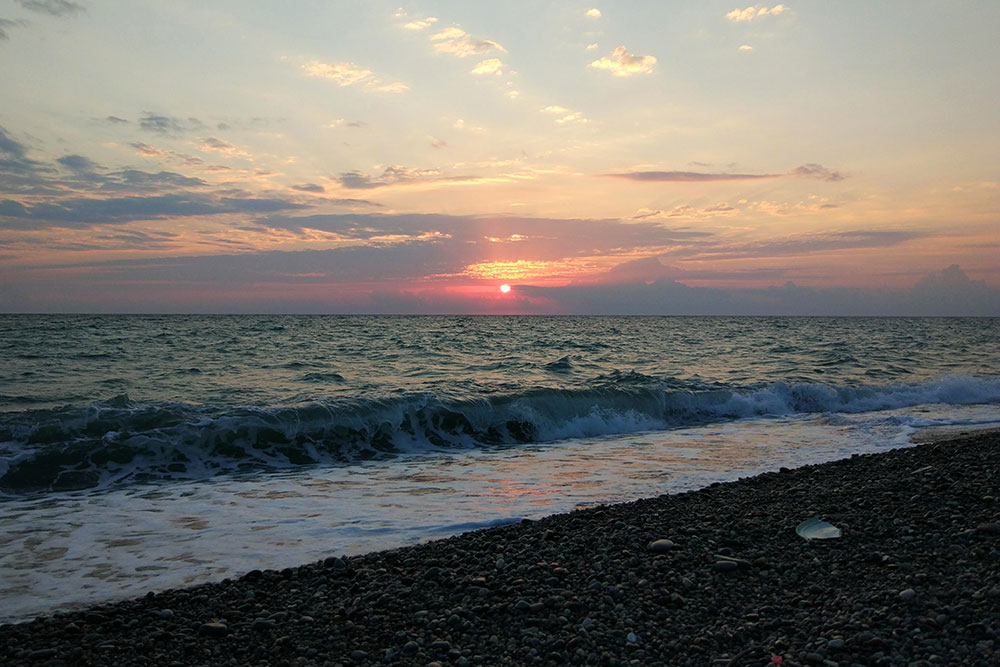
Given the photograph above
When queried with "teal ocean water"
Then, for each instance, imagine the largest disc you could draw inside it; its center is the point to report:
(102, 401)
(139, 452)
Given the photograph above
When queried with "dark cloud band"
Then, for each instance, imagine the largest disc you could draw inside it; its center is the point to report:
(811, 170)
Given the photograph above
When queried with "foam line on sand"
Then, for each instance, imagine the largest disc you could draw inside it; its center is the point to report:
(913, 580)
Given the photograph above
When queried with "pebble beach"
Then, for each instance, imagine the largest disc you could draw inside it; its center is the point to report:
(716, 576)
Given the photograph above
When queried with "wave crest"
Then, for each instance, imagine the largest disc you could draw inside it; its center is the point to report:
(121, 441)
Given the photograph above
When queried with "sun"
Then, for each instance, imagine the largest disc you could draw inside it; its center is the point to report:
(505, 288)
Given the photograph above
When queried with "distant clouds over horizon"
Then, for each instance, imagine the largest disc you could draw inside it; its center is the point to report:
(631, 158)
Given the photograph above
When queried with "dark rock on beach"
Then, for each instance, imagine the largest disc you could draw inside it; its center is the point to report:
(716, 576)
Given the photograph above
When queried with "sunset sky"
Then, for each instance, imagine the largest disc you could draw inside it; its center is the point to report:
(666, 157)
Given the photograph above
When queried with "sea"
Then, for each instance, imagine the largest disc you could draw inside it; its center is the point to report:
(140, 453)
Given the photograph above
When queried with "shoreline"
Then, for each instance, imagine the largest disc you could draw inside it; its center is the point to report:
(913, 580)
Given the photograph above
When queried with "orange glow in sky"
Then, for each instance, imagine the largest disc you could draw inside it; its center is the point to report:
(404, 160)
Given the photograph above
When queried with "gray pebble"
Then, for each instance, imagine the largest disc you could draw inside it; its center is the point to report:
(262, 624)
(575, 591)
(214, 629)
(661, 546)
(42, 654)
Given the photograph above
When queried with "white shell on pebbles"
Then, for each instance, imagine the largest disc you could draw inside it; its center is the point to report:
(817, 529)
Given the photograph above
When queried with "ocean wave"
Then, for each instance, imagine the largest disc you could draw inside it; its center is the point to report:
(121, 441)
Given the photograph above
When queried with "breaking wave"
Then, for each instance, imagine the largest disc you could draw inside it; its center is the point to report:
(121, 442)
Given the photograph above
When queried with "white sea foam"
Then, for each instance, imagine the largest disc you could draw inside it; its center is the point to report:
(76, 548)
(222, 444)
(123, 443)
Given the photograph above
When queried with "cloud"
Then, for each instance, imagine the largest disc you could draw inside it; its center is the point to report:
(649, 288)
(686, 176)
(14, 157)
(161, 124)
(213, 144)
(136, 180)
(746, 47)
(256, 205)
(947, 279)
(686, 211)
(78, 163)
(134, 238)
(310, 281)
(6, 24)
(623, 63)
(389, 87)
(341, 122)
(721, 207)
(574, 117)
(220, 146)
(309, 187)
(420, 24)
(52, 7)
(477, 239)
(356, 180)
(354, 202)
(644, 213)
(804, 244)
(343, 74)
(115, 120)
(490, 66)
(378, 253)
(458, 43)
(85, 212)
(813, 170)
(754, 11)
(147, 150)
(83, 174)
(593, 13)
(591, 47)
(643, 270)
(565, 115)
(348, 74)
(413, 247)
(399, 175)
(10, 147)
